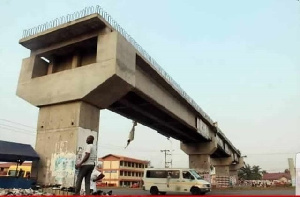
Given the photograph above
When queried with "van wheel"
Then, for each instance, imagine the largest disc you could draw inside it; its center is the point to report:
(163, 193)
(154, 190)
(195, 191)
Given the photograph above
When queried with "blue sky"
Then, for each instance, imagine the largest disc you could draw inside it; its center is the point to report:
(239, 60)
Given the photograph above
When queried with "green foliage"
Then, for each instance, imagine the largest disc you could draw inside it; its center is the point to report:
(250, 173)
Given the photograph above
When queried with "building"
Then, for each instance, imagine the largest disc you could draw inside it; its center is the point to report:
(281, 177)
(122, 171)
(4, 167)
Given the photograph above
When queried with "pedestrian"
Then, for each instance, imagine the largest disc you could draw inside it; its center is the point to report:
(86, 166)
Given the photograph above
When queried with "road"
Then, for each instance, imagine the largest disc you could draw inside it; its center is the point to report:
(121, 191)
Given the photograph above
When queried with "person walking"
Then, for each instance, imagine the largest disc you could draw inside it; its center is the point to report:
(86, 166)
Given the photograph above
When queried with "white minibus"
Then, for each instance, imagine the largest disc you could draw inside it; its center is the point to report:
(161, 181)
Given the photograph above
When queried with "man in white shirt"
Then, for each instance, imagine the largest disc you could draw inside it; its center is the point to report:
(86, 166)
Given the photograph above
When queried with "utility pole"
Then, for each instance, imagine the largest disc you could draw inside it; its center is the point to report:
(166, 162)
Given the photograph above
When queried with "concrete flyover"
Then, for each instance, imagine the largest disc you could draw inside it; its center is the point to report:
(77, 68)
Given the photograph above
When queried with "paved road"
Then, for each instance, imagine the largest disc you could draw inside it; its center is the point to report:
(214, 192)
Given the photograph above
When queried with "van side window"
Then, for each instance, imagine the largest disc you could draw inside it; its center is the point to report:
(156, 174)
(174, 174)
(186, 175)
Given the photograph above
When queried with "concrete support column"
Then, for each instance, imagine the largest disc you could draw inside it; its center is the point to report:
(200, 162)
(227, 170)
(199, 154)
(222, 171)
(61, 134)
(233, 171)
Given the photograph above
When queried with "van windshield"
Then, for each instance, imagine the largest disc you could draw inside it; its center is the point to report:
(195, 174)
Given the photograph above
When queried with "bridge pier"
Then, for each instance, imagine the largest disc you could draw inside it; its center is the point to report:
(199, 155)
(61, 133)
(233, 169)
(226, 171)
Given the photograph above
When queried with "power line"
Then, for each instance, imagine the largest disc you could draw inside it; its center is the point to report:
(31, 132)
(271, 153)
(16, 130)
(17, 123)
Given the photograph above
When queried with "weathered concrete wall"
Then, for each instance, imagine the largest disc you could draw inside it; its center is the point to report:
(62, 129)
(200, 162)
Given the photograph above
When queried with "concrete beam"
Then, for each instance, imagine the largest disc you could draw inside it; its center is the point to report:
(148, 114)
(62, 32)
(205, 148)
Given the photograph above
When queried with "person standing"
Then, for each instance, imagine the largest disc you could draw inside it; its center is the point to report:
(86, 166)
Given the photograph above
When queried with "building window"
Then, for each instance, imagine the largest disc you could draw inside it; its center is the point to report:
(121, 173)
(121, 163)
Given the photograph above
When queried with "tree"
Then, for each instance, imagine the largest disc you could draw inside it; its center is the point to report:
(250, 173)
(256, 173)
(245, 172)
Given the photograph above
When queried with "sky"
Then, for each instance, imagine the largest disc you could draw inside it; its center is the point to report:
(239, 60)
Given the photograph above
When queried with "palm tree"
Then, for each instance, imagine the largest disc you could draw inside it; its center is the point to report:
(245, 172)
(250, 173)
(256, 173)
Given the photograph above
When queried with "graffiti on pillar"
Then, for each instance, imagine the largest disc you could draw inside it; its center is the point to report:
(205, 175)
(222, 181)
(232, 180)
(62, 167)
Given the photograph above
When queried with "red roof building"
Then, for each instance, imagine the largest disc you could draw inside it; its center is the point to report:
(280, 176)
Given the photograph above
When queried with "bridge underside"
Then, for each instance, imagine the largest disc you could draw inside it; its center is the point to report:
(137, 108)
(219, 153)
